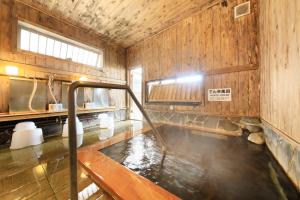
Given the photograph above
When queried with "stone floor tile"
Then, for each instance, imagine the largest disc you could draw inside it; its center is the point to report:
(28, 184)
(42, 171)
(16, 161)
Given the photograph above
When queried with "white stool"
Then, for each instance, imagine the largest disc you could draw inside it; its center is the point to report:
(106, 133)
(106, 121)
(107, 126)
(26, 134)
(79, 130)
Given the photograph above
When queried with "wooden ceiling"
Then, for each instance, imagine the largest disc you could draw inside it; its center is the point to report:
(123, 21)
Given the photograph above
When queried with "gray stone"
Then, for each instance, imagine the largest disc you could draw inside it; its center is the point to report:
(271, 140)
(297, 166)
(191, 117)
(211, 122)
(284, 153)
(200, 118)
(250, 120)
(235, 119)
(176, 118)
(257, 138)
(253, 129)
(228, 125)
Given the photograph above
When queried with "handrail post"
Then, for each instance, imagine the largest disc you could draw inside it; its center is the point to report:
(72, 141)
(73, 130)
(148, 119)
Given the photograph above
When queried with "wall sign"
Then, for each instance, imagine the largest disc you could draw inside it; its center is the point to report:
(219, 94)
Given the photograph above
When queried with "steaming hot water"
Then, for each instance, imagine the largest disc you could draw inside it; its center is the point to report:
(203, 166)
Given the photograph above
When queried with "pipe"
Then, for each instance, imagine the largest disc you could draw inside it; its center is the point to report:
(72, 126)
(32, 95)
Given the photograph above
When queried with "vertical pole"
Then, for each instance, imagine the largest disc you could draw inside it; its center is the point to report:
(72, 141)
(163, 144)
(73, 131)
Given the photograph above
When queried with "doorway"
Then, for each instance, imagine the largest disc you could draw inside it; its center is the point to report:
(136, 87)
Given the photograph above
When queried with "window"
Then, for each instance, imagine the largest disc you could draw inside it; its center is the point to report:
(187, 90)
(178, 80)
(40, 41)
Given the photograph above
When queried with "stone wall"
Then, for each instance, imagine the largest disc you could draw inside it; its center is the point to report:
(217, 124)
(286, 152)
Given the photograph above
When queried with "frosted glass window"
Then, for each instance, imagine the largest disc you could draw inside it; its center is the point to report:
(94, 60)
(24, 40)
(34, 42)
(89, 58)
(85, 57)
(50, 46)
(42, 44)
(100, 61)
(75, 54)
(57, 46)
(63, 51)
(70, 52)
(37, 40)
(80, 55)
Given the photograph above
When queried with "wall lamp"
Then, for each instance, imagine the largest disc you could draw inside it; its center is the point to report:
(12, 70)
(83, 78)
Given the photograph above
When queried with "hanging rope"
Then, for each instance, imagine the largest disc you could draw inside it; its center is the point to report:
(50, 81)
(32, 95)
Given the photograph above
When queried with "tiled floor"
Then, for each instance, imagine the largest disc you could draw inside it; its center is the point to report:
(41, 172)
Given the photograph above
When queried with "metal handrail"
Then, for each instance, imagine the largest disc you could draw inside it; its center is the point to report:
(73, 131)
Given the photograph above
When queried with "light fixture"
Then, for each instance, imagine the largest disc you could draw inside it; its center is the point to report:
(12, 70)
(187, 79)
(154, 83)
(168, 81)
(83, 78)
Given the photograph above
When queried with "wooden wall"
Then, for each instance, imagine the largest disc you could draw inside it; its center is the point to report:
(211, 42)
(280, 65)
(40, 66)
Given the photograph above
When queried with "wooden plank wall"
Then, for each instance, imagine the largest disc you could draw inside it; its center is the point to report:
(280, 65)
(40, 66)
(213, 43)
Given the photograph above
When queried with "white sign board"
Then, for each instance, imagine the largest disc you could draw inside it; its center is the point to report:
(219, 94)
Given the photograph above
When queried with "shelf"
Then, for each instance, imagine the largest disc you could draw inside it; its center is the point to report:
(36, 115)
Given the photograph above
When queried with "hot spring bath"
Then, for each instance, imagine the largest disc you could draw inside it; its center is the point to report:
(204, 166)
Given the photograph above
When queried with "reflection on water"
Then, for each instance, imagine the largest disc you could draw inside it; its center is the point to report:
(203, 167)
(79, 139)
(106, 133)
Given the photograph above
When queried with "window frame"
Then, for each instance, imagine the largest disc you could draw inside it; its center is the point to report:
(21, 25)
(148, 101)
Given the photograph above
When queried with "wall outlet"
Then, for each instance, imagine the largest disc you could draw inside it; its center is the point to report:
(171, 107)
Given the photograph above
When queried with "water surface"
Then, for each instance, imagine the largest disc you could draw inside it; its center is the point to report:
(205, 166)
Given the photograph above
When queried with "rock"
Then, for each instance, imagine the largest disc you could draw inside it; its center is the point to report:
(200, 118)
(250, 120)
(257, 138)
(253, 129)
(235, 119)
(211, 122)
(228, 125)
